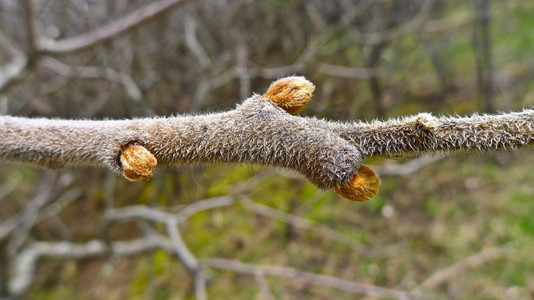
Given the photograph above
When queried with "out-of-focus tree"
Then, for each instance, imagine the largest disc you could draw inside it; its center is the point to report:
(482, 53)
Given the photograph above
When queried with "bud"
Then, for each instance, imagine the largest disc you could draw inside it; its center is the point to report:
(137, 163)
(290, 93)
(363, 186)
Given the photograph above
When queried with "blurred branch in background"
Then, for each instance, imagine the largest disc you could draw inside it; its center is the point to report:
(109, 31)
(24, 263)
(22, 63)
(308, 278)
(39, 45)
(15, 71)
(483, 54)
(65, 70)
(409, 168)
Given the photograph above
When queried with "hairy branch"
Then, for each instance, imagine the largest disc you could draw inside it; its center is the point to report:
(30, 30)
(426, 133)
(259, 131)
(13, 74)
(472, 261)
(408, 168)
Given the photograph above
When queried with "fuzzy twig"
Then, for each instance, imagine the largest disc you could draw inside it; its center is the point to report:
(308, 278)
(425, 133)
(259, 131)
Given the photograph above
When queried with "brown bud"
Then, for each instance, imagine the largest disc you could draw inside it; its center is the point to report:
(362, 187)
(137, 163)
(290, 93)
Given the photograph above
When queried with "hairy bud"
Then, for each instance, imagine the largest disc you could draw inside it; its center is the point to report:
(137, 163)
(363, 186)
(290, 93)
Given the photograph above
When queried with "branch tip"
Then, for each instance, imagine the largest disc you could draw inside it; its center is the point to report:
(363, 186)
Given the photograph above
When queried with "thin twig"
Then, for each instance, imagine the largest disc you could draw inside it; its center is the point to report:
(27, 218)
(200, 286)
(181, 250)
(9, 186)
(472, 261)
(161, 216)
(131, 88)
(171, 221)
(28, 18)
(302, 223)
(13, 74)
(263, 285)
(187, 258)
(408, 168)
(111, 30)
(206, 204)
(24, 262)
(414, 25)
(241, 68)
(138, 212)
(307, 277)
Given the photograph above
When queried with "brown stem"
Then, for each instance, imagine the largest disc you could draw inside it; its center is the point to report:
(256, 132)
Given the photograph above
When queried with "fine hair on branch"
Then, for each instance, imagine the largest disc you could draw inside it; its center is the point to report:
(261, 130)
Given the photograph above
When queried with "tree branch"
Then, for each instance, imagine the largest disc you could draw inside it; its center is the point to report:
(425, 133)
(109, 31)
(131, 88)
(408, 168)
(306, 277)
(25, 262)
(27, 9)
(456, 269)
(187, 258)
(323, 230)
(259, 131)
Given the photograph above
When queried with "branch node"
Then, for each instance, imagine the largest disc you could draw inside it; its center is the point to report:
(136, 162)
(427, 121)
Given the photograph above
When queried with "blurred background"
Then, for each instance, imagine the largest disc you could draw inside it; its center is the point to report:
(459, 227)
